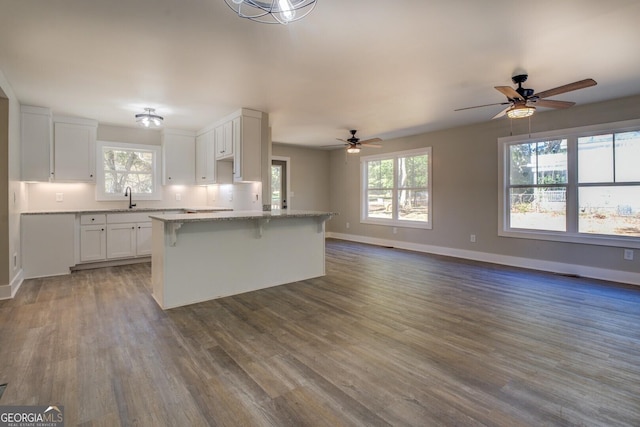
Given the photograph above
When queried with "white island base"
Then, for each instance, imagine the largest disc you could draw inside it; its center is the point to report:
(199, 257)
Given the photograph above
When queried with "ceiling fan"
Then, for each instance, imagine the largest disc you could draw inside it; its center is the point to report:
(354, 144)
(522, 102)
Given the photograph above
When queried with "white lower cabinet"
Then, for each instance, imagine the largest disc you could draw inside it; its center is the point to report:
(93, 237)
(93, 243)
(115, 236)
(121, 241)
(143, 239)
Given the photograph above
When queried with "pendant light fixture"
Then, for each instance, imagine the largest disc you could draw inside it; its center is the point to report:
(272, 11)
(149, 119)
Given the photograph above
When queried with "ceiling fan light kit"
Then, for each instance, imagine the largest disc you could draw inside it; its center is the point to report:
(353, 149)
(149, 118)
(520, 111)
(521, 102)
(272, 11)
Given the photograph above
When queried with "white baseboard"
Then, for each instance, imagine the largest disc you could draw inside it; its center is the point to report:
(533, 264)
(9, 291)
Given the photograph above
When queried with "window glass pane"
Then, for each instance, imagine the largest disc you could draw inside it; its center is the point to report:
(139, 183)
(412, 171)
(379, 204)
(628, 157)
(127, 168)
(538, 208)
(413, 205)
(609, 210)
(522, 165)
(380, 173)
(595, 159)
(552, 162)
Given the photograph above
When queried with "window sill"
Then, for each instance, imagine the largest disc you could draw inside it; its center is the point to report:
(397, 223)
(584, 239)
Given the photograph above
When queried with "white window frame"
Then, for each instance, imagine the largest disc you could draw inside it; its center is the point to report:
(100, 178)
(571, 234)
(394, 221)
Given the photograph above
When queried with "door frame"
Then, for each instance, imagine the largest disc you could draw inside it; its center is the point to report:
(287, 161)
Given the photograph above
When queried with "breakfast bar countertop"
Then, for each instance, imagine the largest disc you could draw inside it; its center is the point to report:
(239, 215)
(190, 210)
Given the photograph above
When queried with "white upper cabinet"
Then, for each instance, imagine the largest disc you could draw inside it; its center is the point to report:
(206, 158)
(249, 137)
(224, 141)
(178, 157)
(74, 152)
(241, 140)
(36, 140)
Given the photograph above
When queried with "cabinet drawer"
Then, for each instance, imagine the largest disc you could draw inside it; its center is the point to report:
(89, 219)
(122, 218)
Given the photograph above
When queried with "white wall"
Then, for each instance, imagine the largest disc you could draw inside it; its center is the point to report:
(9, 282)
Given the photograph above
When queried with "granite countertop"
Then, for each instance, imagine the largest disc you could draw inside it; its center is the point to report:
(238, 216)
(186, 210)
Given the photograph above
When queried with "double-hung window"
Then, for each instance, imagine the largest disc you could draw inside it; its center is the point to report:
(122, 165)
(396, 189)
(578, 185)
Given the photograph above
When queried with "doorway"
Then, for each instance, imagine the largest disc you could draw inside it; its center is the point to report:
(279, 183)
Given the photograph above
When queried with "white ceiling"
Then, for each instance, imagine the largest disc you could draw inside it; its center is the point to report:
(387, 68)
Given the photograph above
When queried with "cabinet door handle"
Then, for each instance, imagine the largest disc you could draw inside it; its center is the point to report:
(133, 228)
(102, 229)
(93, 219)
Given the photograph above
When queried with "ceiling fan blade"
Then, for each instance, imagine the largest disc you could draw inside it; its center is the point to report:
(485, 105)
(372, 146)
(567, 88)
(343, 140)
(549, 103)
(369, 141)
(509, 92)
(501, 113)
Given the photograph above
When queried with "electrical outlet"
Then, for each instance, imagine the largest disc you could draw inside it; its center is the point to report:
(348, 225)
(472, 238)
(178, 197)
(628, 254)
(395, 230)
(59, 197)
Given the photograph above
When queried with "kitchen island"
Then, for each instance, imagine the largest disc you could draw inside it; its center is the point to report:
(203, 256)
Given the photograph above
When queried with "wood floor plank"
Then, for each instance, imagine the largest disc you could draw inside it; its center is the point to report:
(387, 337)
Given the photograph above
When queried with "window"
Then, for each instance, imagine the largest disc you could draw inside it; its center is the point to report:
(123, 165)
(579, 185)
(396, 189)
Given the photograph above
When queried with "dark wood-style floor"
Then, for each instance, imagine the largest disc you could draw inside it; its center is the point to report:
(387, 337)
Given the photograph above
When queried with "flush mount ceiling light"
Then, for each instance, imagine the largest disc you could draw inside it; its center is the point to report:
(272, 11)
(520, 111)
(149, 118)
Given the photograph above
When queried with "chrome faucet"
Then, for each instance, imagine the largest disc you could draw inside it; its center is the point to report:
(128, 192)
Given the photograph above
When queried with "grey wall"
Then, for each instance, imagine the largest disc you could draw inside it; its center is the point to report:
(465, 189)
(13, 195)
(309, 176)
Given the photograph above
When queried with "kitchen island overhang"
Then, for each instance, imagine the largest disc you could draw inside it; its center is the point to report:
(199, 257)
